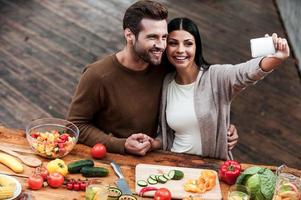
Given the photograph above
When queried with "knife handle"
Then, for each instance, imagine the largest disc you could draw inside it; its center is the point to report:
(117, 169)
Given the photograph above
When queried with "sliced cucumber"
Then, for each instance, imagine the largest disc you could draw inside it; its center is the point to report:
(142, 183)
(166, 176)
(154, 177)
(114, 193)
(152, 181)
(175, 174)
(127, 197)
(171, 174)
(162, 179)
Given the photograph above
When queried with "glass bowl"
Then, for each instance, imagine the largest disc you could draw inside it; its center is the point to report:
(52, 137)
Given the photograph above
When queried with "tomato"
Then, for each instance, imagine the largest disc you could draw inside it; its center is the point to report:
(35, 182)
(98, 151)
(42, 171)
(64, 137)
(35, 135)
(55, 179)
(83, 186)
(162, 194)
(70, 186)
(76, 186)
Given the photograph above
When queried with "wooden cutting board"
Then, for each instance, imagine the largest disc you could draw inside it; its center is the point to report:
(143, 171)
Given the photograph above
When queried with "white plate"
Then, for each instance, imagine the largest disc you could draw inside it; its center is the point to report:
(18, 186)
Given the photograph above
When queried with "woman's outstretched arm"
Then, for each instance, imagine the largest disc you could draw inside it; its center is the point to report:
(282, 52)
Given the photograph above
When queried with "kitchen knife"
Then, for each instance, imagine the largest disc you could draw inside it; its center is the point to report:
(121, 182)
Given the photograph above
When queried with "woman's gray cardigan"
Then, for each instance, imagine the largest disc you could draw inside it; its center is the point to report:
(214, 90)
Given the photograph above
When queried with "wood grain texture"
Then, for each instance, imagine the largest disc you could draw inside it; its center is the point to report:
(44, 46)
(16, 138)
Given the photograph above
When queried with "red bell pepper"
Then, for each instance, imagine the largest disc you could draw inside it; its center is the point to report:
(229, 171)
(146, 189)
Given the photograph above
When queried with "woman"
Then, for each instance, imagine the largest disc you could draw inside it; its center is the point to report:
(196, 97)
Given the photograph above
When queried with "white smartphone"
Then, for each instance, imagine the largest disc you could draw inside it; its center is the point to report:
(262, 46)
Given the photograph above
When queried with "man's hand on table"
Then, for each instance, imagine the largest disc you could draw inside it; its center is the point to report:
(138, 144)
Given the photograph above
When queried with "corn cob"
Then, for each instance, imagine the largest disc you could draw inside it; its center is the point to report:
(6, 192)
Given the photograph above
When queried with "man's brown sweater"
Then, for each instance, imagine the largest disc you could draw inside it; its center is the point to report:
(111, 102)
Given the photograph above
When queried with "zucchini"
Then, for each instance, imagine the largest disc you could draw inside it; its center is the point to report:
(127, 197)
(142, 183)
(175, 174)
(114, 193)
(94, 171)
(76, 166)
(152, 181)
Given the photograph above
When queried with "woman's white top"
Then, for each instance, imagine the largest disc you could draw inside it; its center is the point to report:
(181, 117)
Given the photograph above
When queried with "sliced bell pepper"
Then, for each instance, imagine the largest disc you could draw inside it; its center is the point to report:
(146, 189)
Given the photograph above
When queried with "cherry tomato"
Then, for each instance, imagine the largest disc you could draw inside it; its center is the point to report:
(35, 182)
(55, 179)
(83, 186)
(42, 171)
(98, 151)
(70, 186)
(162, 194)
(76, 186)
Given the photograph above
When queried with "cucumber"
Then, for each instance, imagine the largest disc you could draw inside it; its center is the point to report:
(152, 181)
(166, 176)
(76, 166)
(154, 177)
(175, 174)
(162, 179)
(142, 183)
(114, 193)
(94, 171)
(127, 197)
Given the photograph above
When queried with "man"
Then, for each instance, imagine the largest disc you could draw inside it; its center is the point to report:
(117, 99)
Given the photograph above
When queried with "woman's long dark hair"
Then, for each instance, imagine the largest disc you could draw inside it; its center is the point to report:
(189, 26)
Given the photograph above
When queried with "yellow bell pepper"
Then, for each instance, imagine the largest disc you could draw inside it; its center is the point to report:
(205, 182)
(57, 165)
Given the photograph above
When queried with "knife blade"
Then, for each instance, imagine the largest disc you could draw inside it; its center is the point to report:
(121, 182)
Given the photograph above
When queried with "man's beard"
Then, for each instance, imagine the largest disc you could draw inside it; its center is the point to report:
(146, 55)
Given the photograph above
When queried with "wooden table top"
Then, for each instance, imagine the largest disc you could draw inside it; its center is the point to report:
(16, 139)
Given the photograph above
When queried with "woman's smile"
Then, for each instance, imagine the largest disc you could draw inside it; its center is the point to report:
(181, 49)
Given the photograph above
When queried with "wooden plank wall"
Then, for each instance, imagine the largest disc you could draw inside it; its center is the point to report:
(44, 46)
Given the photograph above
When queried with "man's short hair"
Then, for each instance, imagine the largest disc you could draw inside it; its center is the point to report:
(143, 9)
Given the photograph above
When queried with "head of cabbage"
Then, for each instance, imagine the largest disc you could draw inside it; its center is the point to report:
(260, 181)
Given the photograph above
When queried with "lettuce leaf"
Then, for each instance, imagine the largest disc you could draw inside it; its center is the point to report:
(260, 181)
